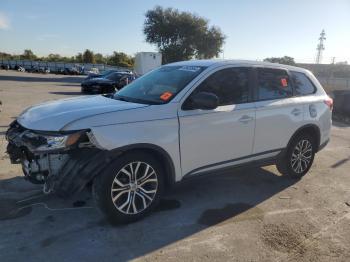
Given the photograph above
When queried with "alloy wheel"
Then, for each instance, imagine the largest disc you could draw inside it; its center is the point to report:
(301, 156)
(134, 188)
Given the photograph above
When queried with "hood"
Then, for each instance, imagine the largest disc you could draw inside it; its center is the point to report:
(53, 116)
(97, 80)
(100, 79)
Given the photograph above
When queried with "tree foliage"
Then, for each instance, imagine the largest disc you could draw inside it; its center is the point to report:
(116, 59)
(99, 58)
(88, 57)
(285, 60)
(28, 54)
(182, 35)
(120, 59)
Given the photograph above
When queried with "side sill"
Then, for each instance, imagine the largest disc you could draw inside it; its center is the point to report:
(255, 163)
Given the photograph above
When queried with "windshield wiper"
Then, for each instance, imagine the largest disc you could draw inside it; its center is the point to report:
(122, 99)
(136, 100)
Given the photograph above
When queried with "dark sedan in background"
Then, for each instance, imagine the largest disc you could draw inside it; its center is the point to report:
(107, 83)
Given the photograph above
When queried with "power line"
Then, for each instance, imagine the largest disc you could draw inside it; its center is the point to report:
(320, 47)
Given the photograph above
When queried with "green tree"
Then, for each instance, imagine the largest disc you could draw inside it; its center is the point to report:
(78, 58)
(182, 35)
(99, 58)
(88, 57)
(5, 55)
(28, 54)
(120, 59)
(285, 60)
(54, 58)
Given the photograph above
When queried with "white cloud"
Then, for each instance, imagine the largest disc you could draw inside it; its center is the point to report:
(4, 22)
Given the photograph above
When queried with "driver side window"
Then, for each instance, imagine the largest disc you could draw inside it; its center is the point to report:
(230, 85)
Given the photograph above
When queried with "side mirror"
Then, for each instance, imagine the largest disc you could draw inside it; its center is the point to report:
(203, 100)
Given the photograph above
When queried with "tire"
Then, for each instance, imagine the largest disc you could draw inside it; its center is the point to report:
(294, 162)
(123, 201)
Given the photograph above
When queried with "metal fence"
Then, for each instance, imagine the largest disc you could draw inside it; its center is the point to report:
(56, 66)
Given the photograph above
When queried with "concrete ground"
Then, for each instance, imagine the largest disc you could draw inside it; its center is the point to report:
(247, 214)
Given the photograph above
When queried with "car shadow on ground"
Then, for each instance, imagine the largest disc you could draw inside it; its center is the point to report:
(53, 224)
(33, 78)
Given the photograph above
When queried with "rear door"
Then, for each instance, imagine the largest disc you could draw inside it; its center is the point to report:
(278, 112)
(211, 139)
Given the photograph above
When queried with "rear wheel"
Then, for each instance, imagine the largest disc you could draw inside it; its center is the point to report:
(299, 157)
(130, 188)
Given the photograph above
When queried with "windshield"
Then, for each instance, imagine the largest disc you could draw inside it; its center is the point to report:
(104, 73)
(159, 86)
(113, 76)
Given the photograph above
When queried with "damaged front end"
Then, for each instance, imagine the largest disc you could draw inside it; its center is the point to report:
(64, 162)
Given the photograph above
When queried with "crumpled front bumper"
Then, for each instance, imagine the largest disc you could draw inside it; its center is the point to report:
(63, 172)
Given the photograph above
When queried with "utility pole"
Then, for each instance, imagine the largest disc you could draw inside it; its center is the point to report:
(320, 47)
(333, 60)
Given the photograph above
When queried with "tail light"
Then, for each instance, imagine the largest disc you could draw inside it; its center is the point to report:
(329, 103)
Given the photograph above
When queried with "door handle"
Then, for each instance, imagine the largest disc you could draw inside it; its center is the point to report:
(245, 119)
(296, 111)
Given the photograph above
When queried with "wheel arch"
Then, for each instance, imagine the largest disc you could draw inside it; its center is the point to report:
(311, 129)
(161, 154)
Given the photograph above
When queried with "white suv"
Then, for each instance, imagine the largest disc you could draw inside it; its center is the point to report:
(178, 121)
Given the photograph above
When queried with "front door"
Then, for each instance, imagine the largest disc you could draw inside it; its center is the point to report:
(211, 139)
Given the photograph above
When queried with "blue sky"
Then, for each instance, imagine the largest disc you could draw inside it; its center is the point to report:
(255, 29)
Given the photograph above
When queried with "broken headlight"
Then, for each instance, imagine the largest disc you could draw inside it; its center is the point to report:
(59, 141)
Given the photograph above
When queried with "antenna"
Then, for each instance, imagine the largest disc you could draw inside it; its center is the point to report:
(320, 47)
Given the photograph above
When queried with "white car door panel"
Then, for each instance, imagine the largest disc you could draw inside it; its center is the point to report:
(276, 122)
(215, 136)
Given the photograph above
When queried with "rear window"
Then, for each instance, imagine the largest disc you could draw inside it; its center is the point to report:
(302, 84)
(273, 84)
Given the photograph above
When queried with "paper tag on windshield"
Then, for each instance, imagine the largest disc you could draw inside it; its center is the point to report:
(166, 96)
(190, 68)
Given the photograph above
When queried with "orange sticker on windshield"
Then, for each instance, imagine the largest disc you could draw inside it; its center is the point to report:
(284, 82)
(166, 96)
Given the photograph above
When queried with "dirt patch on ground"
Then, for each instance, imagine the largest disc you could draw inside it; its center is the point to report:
(285, 238)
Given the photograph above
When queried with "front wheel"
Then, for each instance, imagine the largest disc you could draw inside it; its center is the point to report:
(129, 188)
(299, 157)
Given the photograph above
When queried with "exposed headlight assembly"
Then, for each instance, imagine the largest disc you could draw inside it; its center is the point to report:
(59, 141)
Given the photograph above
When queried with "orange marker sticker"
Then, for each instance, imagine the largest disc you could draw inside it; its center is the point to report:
(166, 96)
(284, 82)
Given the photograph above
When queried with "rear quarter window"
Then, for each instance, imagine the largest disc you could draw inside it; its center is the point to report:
(273, 84)
(302, 84)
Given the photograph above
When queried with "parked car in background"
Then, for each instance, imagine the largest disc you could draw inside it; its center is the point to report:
(100, 74)
(71, 71)
(21, 69)
(108, 83)
(93, 71)
(33, 69)
(107, 72)
(181, 120)
(44, 70)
